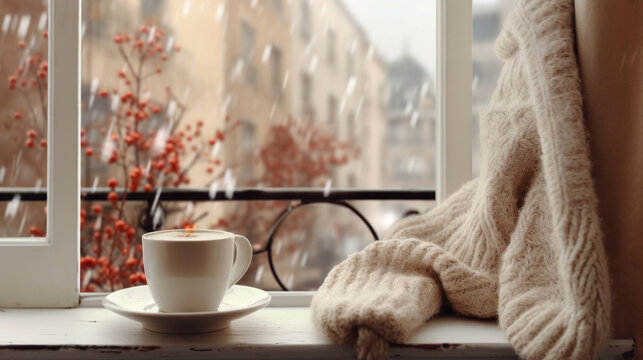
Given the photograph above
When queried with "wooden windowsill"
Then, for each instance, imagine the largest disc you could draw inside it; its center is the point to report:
(273, 332)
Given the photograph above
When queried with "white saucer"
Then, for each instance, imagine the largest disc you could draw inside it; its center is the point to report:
(136, 303)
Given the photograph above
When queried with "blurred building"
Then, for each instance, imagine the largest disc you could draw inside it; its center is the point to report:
(232, 61)
(339, 79)
(409, 153)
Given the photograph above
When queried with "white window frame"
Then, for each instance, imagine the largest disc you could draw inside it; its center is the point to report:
(454, 73)
(43, 272)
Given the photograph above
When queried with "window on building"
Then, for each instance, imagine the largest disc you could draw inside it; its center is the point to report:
(350, 126)
(247, 52)
(248, 146)
(332, 44)
(278, 6)
(307, 109)
(276, 77)
(305, 21)
(331, 114)
(350, 66)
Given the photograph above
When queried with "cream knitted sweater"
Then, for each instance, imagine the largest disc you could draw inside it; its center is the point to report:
(521, 242)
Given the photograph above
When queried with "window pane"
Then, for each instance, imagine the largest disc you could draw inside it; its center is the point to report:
(227, 94)
(23, 115)
(488, 17)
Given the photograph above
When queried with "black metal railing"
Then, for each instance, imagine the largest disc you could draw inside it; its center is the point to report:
(298, 197)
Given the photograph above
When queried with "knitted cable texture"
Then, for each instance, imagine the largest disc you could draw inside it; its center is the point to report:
(521, 242)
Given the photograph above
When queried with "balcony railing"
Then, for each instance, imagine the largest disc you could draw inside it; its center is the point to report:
(297, 197)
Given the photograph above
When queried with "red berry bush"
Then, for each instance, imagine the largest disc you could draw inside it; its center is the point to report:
(144, 143)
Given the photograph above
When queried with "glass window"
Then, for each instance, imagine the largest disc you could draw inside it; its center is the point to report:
(23, 116)
(181, 93)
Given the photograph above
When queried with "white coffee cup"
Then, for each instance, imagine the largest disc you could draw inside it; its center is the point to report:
(190, 270)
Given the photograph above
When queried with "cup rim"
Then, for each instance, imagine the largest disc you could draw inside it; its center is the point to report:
(147, 234)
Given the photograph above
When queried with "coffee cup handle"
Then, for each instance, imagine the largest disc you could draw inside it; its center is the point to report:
(244, 257)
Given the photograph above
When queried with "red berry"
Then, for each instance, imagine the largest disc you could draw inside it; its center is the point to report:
(102, 261)
(141, 115)
(87, 262)
(103, 93)
(17, 115)
(44, 66)
(13, 79)
(131, 262)
(209, 170)
(118, 39)
(35, 231)
(147, 188)
(89, 151)
(112, 183)
(29, 143)
(21, 44)
(133, 279)
(220, 135)
(97, 209)
(43, 143)
(211, 141)
(164, 57)
(31, 133)
(45, 34)
(199, 123)
(120, 225)
(112, 196)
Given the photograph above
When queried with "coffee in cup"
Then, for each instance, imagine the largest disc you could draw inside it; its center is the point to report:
(190, 270)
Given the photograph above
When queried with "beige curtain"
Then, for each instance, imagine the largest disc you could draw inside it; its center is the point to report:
(610, 50)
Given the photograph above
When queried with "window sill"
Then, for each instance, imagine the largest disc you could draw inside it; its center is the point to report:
(283, 330)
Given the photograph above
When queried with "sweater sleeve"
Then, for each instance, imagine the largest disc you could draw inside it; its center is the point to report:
(385, 292)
